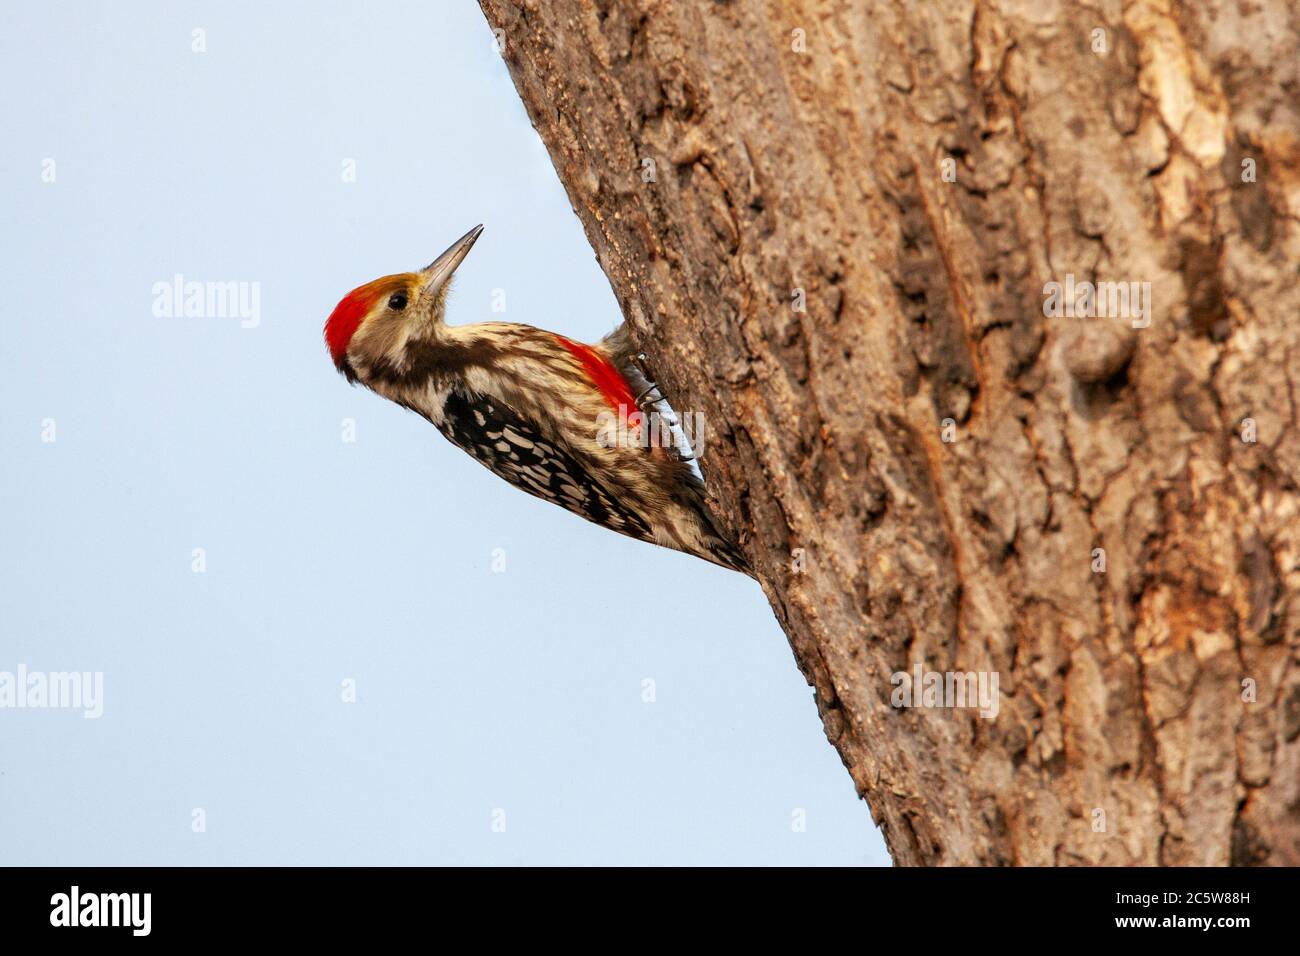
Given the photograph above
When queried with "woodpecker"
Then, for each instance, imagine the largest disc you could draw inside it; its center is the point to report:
(526, 403)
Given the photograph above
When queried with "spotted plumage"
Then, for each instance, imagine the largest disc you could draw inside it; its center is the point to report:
(517, 450)
(534, 407)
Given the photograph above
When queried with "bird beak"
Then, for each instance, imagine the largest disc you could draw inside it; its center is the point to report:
(439, 271)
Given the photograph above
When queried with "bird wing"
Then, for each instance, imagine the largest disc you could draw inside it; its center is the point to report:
(517, 450)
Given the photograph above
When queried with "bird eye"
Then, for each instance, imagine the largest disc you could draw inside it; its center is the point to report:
(397, 301)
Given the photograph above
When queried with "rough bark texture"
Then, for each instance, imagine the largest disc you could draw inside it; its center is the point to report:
(777, 169)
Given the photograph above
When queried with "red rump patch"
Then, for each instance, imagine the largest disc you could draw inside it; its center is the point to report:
(613, 386)
(352, 311)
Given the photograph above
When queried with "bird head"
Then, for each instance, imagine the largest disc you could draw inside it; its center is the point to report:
(373, 323)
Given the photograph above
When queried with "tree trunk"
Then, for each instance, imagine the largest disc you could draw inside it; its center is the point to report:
(832, 226)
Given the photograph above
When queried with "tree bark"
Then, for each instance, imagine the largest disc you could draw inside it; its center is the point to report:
(831, 225)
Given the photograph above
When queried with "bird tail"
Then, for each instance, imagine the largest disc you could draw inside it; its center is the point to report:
(726, 554)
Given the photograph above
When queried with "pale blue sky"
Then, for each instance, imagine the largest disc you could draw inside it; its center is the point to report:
(329, 560)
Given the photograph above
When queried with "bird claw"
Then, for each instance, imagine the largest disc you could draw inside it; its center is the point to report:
(673, 421)
(640, 398)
